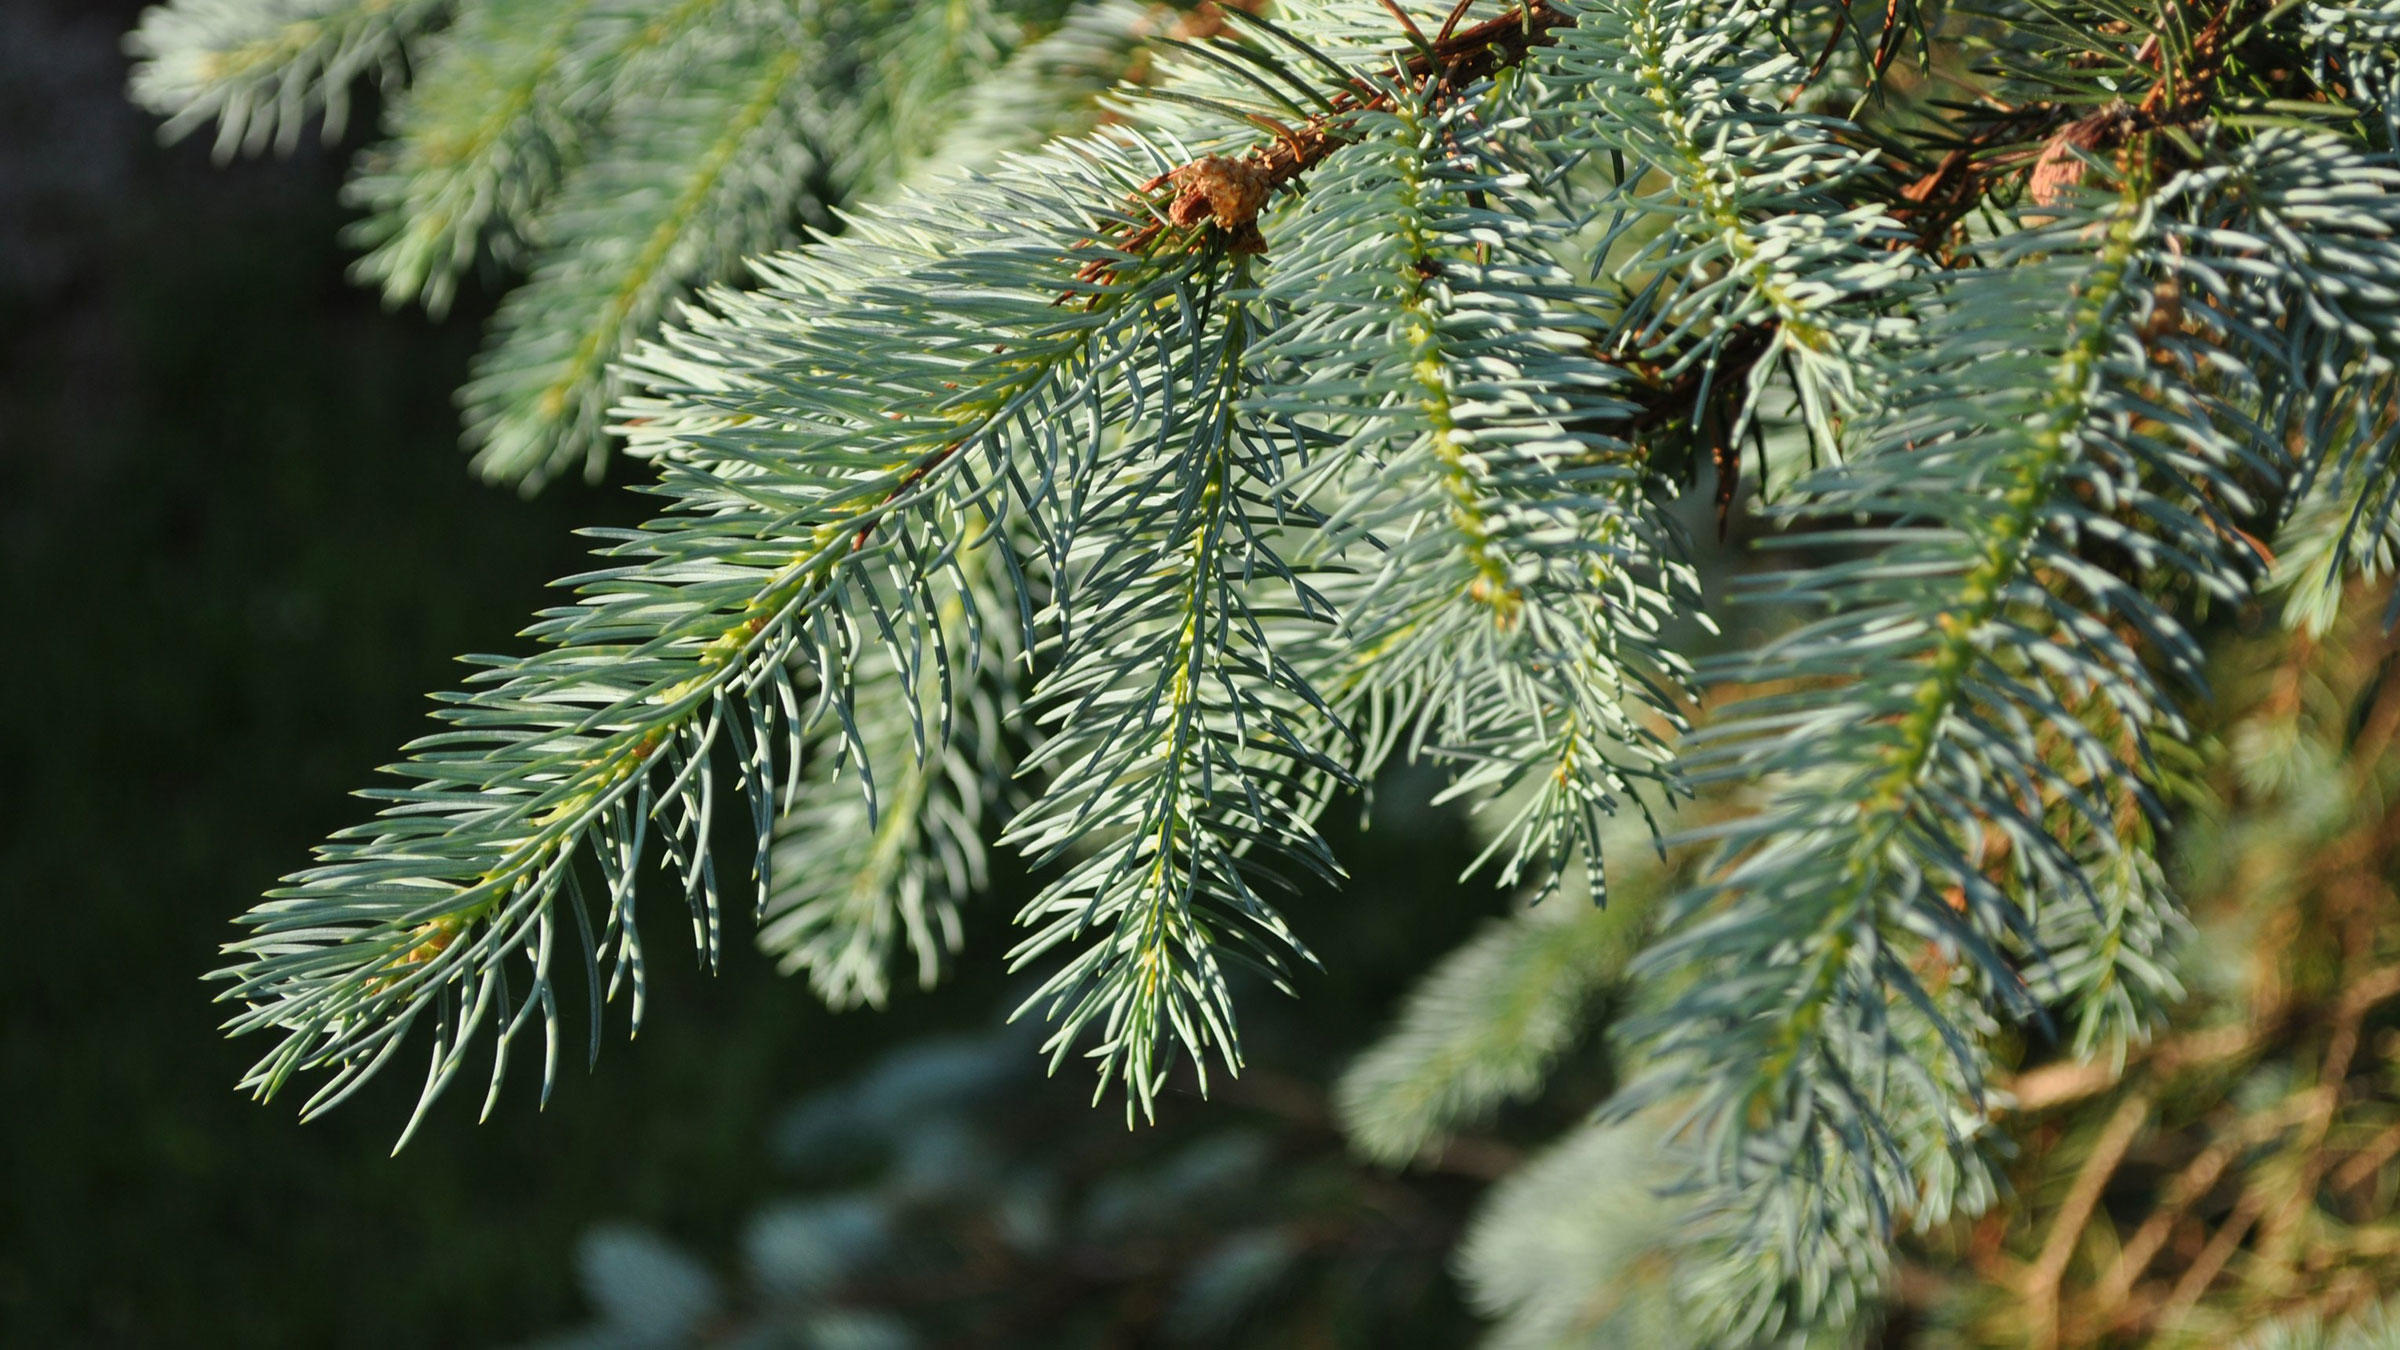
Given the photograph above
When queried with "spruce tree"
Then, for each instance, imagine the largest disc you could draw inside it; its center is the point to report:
(1118, 432)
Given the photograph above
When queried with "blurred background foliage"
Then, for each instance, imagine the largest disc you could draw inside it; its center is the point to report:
(2241, 1166)
(238, 546)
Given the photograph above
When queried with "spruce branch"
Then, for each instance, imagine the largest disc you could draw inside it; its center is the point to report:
(916, 64)
(856, 876)
(1323, 405)
(1751, 230)
(497, 114)
(780, 115)
(814, 522)
(1535, 1261)
(1050, 87)
(696, 183)
(2357, 56)
(1486, 1025)
(2331, 534)
(1980, 830)
(260, 69)
(806, 536)
(827, 451)
(1515, 575)
(1184, 733)
(1854, 925)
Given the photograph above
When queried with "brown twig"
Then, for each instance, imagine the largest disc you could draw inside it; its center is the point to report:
(1453, 60)
(2280, 1228)
(2220, 1249)
(1415, 34)
(1450, 24)
(2066, 1231)
(2057, 1084)
(2367, 1161)
(1997, 142)
(2185, 1189)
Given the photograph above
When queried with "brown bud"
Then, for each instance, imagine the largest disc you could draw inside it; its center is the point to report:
(1213, 187)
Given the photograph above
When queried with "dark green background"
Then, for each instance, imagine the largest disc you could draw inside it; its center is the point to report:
(239, 544)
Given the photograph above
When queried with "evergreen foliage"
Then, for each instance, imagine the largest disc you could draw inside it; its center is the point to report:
(2238, 1165)
(1324, 396)
(1485, 1027)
